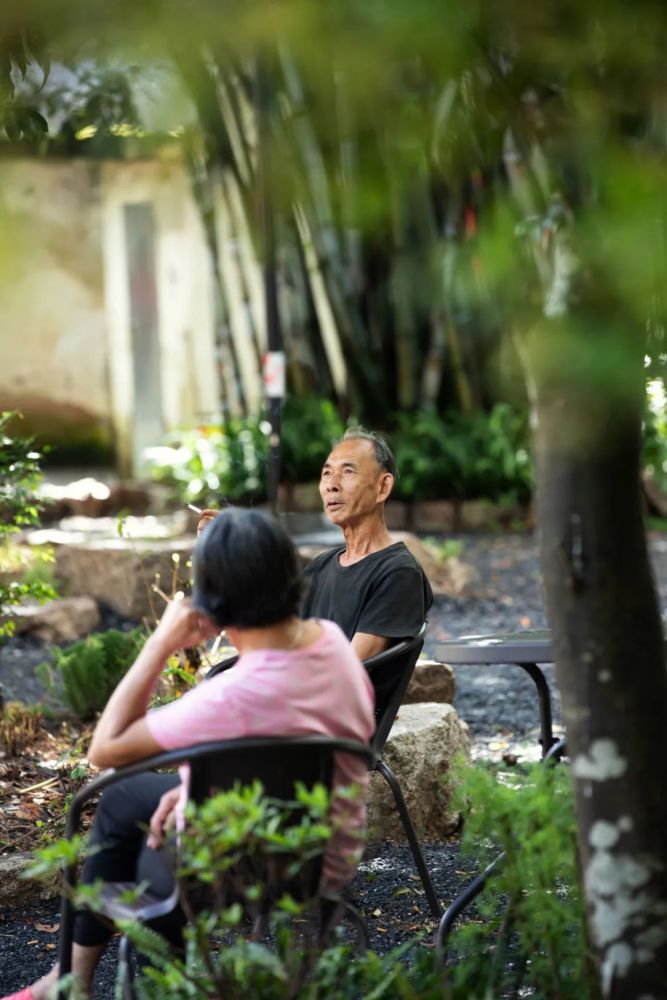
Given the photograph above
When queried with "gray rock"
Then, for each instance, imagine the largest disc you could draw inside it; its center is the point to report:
(17, 891)
(63, 620)
(431, 681)
(421, 749)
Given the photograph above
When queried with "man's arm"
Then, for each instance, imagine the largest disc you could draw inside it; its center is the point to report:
(366, 645)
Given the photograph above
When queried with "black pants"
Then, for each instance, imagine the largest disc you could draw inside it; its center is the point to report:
(123, 855)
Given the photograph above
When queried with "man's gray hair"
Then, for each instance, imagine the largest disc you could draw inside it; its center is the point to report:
(384, 456)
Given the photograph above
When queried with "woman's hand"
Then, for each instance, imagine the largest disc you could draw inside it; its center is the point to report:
(206, 516)
(163, 818)
(181, 627)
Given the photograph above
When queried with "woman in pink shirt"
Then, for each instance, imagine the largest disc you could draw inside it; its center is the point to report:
(293, 677)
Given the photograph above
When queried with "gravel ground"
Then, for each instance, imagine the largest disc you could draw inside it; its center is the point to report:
(497, 702)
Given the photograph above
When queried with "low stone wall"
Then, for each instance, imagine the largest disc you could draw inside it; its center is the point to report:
(124, 574)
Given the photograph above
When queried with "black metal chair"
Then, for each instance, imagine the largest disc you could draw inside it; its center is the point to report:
(276, 761)
(390, 673)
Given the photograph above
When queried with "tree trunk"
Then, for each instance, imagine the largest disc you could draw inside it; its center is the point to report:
(609, 652)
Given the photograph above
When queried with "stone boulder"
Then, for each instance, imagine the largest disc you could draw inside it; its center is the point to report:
(421, 749)
(125, 574)
(62, 620)
(17, 891)
(450, 576)
(431, 681)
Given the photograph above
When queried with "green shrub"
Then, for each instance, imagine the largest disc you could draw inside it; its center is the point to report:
(91, 668)
(463, 456)
(532, 938)
(220, 961)
(310, 427)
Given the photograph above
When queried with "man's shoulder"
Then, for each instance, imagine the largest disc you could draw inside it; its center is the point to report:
(398, 555)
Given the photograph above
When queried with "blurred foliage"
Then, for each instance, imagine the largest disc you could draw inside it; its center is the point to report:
(310, 428)
(455, 456)
(531, 940)
(33, 565)
(211, 465)
(464, 456)
(22, 52)
(654, 455)
(19, 508)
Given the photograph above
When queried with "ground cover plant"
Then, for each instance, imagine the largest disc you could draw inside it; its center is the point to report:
(238, 846)
(526, 936)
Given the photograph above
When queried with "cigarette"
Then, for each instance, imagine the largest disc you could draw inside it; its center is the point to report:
(197, 510)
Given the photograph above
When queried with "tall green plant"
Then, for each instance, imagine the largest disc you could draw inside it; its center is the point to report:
(532, 939)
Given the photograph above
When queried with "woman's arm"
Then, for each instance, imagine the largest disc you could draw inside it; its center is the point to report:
(122, 734)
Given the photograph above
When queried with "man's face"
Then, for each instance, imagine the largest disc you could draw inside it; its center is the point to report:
(352, 483)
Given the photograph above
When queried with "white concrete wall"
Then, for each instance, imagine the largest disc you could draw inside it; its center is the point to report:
(65, 341)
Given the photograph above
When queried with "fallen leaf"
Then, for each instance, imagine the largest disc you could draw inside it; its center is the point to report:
(50, 947)
(47, 928)
(27, 810)
(377, 912)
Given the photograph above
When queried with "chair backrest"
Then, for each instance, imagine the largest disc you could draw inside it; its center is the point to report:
(219, 668)
(390, 673)
(278, 764)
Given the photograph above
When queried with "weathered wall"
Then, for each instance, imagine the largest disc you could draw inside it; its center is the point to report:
(66, 354)
(52, 314)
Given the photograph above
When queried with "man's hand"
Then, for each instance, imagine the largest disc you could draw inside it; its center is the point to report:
(181, 627)
(163, 817)
(204, 518)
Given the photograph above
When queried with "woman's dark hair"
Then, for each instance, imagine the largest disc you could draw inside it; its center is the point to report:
(246, 570)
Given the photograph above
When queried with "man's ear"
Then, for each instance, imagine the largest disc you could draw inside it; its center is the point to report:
(386, 486)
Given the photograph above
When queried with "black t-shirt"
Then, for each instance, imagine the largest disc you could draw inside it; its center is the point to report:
(386, 593)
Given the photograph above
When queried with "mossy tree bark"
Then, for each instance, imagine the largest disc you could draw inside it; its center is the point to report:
(608, 644)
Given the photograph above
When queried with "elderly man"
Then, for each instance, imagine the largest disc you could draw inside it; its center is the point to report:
(372, 587)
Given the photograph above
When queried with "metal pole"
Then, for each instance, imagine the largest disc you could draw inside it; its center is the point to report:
(274, 361)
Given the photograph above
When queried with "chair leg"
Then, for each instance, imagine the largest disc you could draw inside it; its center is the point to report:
(411, 834)
(335, 910)
(124, 968)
